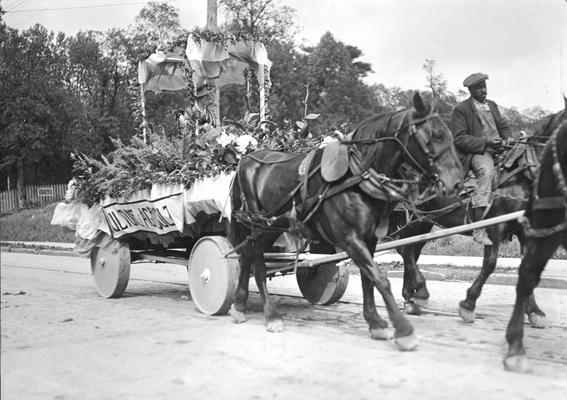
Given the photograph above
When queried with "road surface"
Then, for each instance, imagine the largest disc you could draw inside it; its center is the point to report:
(60, 340)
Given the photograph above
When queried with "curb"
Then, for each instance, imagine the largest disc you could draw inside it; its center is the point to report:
(45, 252)
(49, 249)
(494, 279)
(546, 283)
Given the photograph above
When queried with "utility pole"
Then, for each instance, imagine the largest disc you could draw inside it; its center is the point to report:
(212, 25)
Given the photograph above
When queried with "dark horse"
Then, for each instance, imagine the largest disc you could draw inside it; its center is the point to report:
(546, 229)
(275, 191)
(515, 178)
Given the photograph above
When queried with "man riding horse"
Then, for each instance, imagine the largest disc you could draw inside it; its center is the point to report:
(478, 129)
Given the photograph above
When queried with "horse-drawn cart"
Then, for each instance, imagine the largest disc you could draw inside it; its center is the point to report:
(189, 227)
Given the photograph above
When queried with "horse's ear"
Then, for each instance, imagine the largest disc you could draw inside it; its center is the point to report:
(418, 104)
(565, 101)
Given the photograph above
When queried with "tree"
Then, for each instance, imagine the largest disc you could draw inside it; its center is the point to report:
(33, 104)
(438, 86)
(393, 98)
(336, 87)
(260, 18)
(100, 75)
(435, 81)
(156, 27)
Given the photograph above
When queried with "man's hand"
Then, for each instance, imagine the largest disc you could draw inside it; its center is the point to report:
(494, 145)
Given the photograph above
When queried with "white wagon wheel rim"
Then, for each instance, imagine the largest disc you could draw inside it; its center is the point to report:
(111, 271)
(213, 278)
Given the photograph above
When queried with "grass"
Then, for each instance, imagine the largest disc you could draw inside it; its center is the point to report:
(465, 246)
(35, 225)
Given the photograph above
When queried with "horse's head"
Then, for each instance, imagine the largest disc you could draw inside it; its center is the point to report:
(430, 147)
(536, 136)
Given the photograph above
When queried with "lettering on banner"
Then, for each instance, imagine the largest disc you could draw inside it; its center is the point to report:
(159, 216)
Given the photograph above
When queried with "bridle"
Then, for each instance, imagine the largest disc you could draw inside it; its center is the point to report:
(421, 137)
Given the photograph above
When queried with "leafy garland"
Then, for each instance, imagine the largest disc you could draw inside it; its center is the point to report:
(223, 39)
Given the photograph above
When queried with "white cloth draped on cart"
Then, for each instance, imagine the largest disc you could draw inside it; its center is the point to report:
(162, 209)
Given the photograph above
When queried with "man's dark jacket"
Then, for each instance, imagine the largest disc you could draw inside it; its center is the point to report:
(467, 130)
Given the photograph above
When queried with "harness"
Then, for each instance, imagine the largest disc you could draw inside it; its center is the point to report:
(374, 184)
(521, 153)
(551, 202)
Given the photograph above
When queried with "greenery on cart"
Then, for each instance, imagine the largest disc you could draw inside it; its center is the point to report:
(179, 160)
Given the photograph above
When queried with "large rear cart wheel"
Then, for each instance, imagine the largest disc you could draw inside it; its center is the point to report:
(324, 284)
(213, 278)
(111, 271)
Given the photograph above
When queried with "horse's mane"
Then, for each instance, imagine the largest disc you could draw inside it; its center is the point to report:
(543, 128)
(377, 124)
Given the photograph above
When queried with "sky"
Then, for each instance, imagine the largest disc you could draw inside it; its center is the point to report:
(520, 44)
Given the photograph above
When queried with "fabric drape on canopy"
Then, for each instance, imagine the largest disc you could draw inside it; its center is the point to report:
(212, 61)
(215, 66)
(162, 72)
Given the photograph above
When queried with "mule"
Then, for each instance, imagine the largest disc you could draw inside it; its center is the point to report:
(514, 181)
(345, 208)
(545, 230)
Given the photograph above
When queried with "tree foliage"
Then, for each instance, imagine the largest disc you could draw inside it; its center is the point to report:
(34, 117)
(62, 94)
(336, 89)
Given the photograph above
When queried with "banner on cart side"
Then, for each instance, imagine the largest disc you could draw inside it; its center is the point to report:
(160, 216)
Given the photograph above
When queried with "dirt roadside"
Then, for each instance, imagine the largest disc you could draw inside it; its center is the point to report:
(59, 340)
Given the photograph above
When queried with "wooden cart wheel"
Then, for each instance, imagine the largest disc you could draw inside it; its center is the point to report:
(111, 271)
(212, 277)
(324, 284)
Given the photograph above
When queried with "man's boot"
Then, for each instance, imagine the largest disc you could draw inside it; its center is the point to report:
(480, 235)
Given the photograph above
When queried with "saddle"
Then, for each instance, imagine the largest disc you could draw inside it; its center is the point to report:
(523, 158)
(334, 162)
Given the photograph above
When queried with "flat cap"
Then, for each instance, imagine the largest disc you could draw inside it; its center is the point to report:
(475, 78)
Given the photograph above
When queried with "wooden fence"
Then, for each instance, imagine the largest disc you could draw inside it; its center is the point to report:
(39, 195)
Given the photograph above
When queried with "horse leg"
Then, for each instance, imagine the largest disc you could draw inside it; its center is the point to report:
(404, 335)
(467, 306)
(376, 325)
(414, 288)
(535, 315)
(274, 321)
(538, 251)
(238, 308)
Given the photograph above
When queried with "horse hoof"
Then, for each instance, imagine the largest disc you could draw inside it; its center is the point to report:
(412, 308)
(422, 303)
(537, 321)
(467, 316)
(406, 343)
(517, 363)
(275, 325)
(237, 316)
(379, 334)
